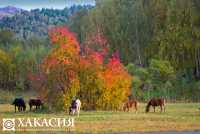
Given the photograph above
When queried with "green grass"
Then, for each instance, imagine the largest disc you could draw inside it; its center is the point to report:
(178, 117)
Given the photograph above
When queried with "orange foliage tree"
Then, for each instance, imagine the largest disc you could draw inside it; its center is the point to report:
(89, 74)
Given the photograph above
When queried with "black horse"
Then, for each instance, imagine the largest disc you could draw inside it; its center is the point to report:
(20, 104)
(35, 102)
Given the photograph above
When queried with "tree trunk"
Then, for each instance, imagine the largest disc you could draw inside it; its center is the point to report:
(197, 67)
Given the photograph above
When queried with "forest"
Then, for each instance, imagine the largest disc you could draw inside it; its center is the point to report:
(157, 42)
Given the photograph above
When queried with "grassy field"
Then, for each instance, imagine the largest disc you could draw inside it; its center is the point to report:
(178, 117)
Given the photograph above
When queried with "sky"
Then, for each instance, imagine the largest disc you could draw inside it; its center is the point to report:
(32, 4)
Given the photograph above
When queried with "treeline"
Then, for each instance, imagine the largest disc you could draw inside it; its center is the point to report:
(38, 21)
(158, 40)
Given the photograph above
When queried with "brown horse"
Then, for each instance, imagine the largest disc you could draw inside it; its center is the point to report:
(156, 102)
(129, 104)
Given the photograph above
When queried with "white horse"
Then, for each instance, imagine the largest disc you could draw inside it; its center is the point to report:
(78, 108)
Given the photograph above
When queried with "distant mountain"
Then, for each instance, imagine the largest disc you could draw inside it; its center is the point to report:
(9, 11)
(36, 22)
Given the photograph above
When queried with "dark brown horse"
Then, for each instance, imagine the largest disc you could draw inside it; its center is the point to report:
(35, 102)
(154, 102)
(129, 104)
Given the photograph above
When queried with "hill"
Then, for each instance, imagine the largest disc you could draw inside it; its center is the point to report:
(35, 22)
(9, 11)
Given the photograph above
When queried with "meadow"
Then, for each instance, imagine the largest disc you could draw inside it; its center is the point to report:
(178, 117)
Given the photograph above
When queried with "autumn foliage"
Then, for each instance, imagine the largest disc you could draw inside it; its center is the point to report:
(99, 80)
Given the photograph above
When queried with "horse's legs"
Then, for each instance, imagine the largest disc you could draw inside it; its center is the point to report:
(20, 108)
(136, 109)
(161, 108)
(124, 108)
(37, 107)
(164, 108)
(77, 111)
(70, 110)
(154, 108)
(73, 111)
(15, 108)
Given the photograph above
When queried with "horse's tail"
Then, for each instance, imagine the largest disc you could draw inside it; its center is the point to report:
(148, 106)
(136, 105)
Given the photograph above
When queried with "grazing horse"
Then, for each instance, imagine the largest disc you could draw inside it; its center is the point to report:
(20, 104)
(156, 102)
(75, 107)
(35, 102)
(129, 104)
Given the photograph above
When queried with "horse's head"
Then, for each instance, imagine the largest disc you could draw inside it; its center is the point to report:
(24, 108)
(16, 100)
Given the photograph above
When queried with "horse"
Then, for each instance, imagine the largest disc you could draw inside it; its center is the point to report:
(20, 104)
(35, 102)
(129, 104)
(154, 102)
(75, 107)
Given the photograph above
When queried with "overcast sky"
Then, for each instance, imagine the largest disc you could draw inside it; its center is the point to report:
(32, 4)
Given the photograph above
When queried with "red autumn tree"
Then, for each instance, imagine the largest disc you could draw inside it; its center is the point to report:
(99, 81)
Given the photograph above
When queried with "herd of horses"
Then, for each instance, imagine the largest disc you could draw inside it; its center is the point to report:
(75, 107)
(20, 104)
(154, 102)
